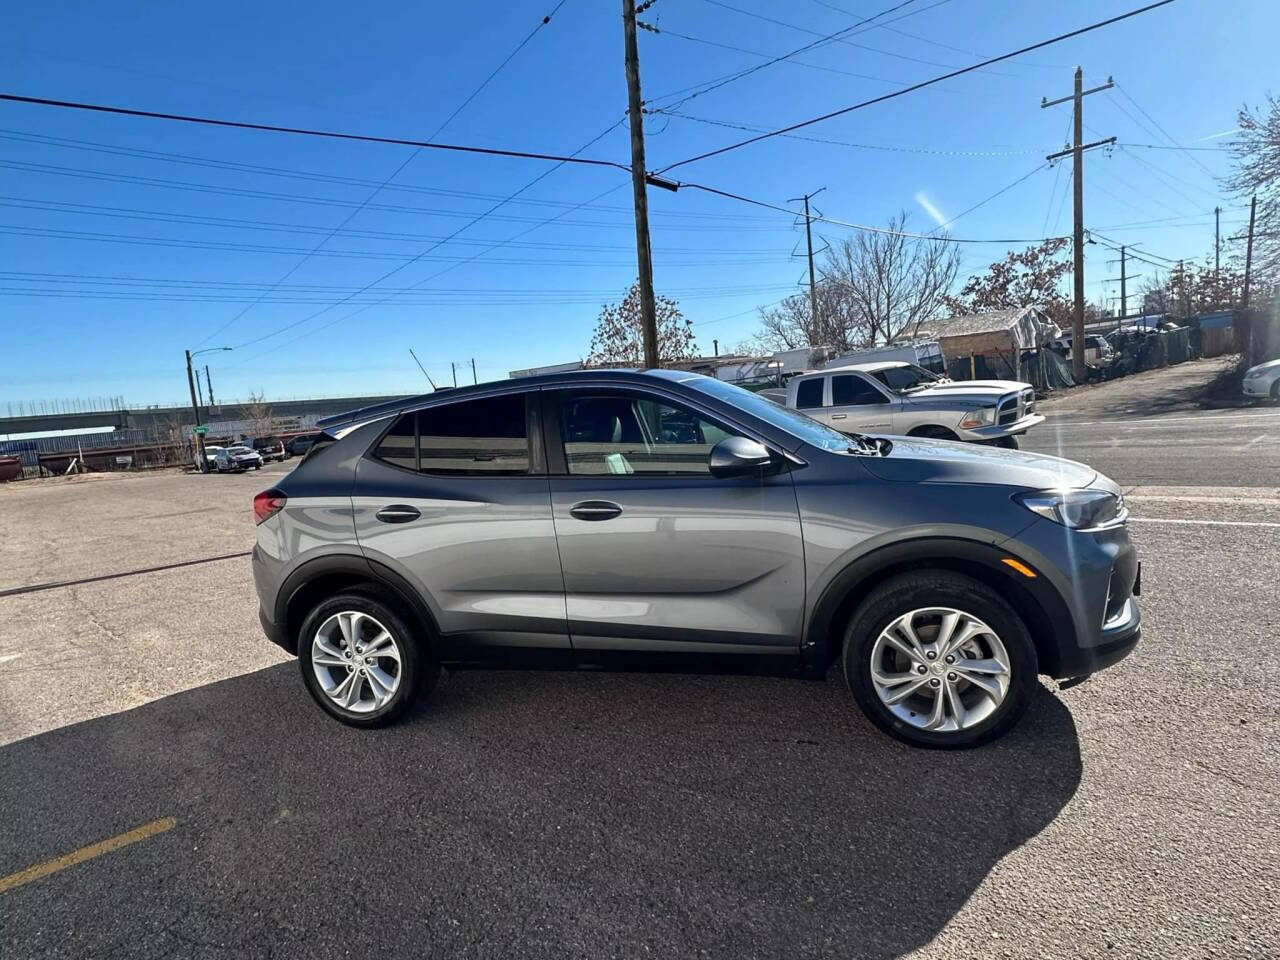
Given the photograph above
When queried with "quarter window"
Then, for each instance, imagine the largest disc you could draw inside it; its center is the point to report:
(809, 394)
(484, 437)
(622, 435)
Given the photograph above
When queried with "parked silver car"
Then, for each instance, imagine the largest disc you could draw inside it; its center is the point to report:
(901, 398)
(582, 514)
(236, 459)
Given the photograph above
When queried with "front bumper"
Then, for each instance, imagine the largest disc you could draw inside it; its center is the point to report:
(1257, 386)
(996, 431)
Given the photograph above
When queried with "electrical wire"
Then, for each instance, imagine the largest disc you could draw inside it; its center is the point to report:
(1194, 159)
(667, 32)
(840, 40)
(302, 131)
(302, 261)
(919, 86)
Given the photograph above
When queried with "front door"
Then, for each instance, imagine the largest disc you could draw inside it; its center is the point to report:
(455, 499)
(858, 405)
(657, 553)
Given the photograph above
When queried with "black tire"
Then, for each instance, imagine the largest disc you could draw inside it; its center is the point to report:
(257, 466)
(418, 668)
(1275, 390)
(933, 433)
(1008, 443)
(939, 588)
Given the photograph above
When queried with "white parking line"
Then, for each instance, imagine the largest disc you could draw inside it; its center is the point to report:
(1208, 523)
(1157, 421)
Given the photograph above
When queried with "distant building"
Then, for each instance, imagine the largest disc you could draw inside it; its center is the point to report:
(1004, 332)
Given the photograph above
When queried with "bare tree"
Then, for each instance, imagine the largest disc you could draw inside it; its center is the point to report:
(619, 339)
(260, 416)
(791, 324)
(1024, 278)
(1256, 154)
(892, 282)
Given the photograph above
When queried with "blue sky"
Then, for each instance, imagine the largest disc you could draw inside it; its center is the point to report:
(159, 236)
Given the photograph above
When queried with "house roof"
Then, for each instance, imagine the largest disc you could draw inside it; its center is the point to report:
(989, 322)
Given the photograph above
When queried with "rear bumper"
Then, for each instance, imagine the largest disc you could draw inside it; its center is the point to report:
(274, 632)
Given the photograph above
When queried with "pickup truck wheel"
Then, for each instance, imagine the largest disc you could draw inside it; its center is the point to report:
(938, 659)
(1008, 443)
(361, 661)
(933, 433)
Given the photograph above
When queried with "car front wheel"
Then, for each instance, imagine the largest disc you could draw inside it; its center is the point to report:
(938, 659)
(361, 661)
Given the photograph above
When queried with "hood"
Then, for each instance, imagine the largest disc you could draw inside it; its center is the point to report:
(917, 460)
(992, 389)
(1269, 365)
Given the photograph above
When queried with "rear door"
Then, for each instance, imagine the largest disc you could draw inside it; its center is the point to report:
(455, 498)
(858, 404)
(657, 553)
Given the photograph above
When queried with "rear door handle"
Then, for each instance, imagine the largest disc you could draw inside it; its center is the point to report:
(398, 513)
(839, 416)
(595, 510)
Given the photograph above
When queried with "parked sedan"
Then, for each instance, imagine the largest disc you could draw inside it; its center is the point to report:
(237, 459)
(270, 448)
(1263, 380)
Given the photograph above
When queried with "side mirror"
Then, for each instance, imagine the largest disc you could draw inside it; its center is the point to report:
(735, 456)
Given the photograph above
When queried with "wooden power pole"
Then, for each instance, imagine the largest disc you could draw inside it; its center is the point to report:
(1124, 293)
(1248, 253)
(195, 412)
(1217, 242)
(1076, 151)
(644, 256)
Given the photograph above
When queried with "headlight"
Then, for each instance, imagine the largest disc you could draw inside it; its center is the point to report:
(982, 417)
(1078, 509)
(1255, 372)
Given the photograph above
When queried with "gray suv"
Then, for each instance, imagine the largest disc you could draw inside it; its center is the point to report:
(585, 514)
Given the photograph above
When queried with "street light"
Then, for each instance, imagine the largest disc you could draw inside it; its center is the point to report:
(195, 407)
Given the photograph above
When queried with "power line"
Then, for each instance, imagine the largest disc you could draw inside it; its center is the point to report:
(1194, 159)
(707, 86)
(840, 40)
(919, 86)
(856, 226)
(1003, 190)
(290, 173)
(302, 131)
(934, 151)
(394, 173)
(668, 32)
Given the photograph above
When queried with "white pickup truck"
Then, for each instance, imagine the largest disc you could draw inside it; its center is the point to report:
(906, 400)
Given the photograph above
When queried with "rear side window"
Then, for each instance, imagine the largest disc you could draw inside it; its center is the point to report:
(484, 437)
(809, 394)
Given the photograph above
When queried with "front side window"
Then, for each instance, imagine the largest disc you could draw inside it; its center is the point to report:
(850, 390)
(484, 437)
(621, 435)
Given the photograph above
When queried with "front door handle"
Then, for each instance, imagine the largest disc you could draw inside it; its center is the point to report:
(595, 510)
(839, 416)
(398, 513)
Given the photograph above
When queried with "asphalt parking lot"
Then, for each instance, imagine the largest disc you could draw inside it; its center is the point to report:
(591, 814)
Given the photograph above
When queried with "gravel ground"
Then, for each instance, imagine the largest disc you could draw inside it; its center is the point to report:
(590, 814)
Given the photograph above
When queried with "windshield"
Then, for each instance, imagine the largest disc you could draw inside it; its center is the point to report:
(784, 418)
(906, 378)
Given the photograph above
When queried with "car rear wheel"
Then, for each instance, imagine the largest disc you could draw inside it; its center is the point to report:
(361, 661)
(938, 659)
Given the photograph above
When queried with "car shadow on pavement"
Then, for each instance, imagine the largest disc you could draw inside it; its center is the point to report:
(520, 813)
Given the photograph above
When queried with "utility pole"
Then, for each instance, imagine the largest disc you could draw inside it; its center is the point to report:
(473, 371)
(1217, 242)
(454, 368)
(1124, 293)
(644, 255)
(808, 237)
(199, 394)
(715, 348)
(208, 385)
(1248, 253)
(1077, 151)
(195, 410)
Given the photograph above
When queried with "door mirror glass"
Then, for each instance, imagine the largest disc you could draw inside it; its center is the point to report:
(736, 456)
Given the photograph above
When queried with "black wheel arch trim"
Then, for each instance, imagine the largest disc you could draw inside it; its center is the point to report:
(362, 567)
(1038, 601)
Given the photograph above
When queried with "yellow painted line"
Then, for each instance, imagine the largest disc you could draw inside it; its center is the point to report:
(41, 870)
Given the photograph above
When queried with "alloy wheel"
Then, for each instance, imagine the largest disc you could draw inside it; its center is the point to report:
(940, 669)
(357, 661)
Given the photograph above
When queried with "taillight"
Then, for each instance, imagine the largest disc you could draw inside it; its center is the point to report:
(267, 504)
